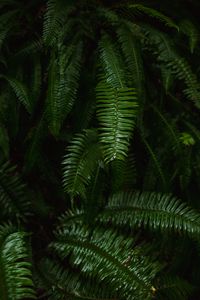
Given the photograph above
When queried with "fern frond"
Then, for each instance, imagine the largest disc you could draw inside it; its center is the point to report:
(116, 112)
(190, 30)
(130, 48)
(14, 200)
(151, 12)
(153, 210)
(176, 64)
(21, 93)
(63, 84)
(61, 283)
(111, 62)
(108, 258)
(54, 20)
(80, 163)
(15, 266)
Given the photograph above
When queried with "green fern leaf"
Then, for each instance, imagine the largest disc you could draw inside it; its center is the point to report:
(151, 12)
(108, 257)
(116, 112)
(21, 93)
(111, 62)
(63, 84)
(15, 266)
(80, 163)
(153, 210)
(188, 28)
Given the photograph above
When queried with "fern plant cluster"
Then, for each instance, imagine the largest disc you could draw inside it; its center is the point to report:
(99, 150)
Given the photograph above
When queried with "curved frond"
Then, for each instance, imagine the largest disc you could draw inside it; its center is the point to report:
(54, 20)
(190, 30)
(108, 258)
(153, 210)
(151, 12)
(63, 84)
(111, 62)
(21, 92)
(80, 162)
(179, 67)
(130, 48)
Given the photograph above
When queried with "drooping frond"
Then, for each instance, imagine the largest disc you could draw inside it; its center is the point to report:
(14, 200)
(21, 92)
(116, 112)
(151, 12)
(108, 258)
(130, 48)
(111, 63)
(54, 20)
(63, 84)
(164, 50)
(190, 30)
(80, 162)
(15, 265)
(153, 210)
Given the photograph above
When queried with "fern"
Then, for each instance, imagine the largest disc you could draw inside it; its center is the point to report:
(190, 30)
(21, 92)
(130, 48)
(153, 210)
(111, 62)
(15, 266)
(116, 112)
(176, 64)
(63, 84)
(80, 163)
(154, 14)
(103, 255)
(54, 19)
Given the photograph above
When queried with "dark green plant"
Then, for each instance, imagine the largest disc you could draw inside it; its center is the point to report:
(99, 118)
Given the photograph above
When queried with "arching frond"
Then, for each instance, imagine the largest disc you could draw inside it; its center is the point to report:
(111, 63)
(80, 162)
(108, 258)
(176, 64)
(190, 30)
(151, 12)
(15, 267)
(21, 91)
(153, 210)
(130, 48)
(63, 84)
(116, 112)
(54, 20)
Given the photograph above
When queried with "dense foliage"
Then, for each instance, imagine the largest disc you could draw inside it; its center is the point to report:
(99, 150)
